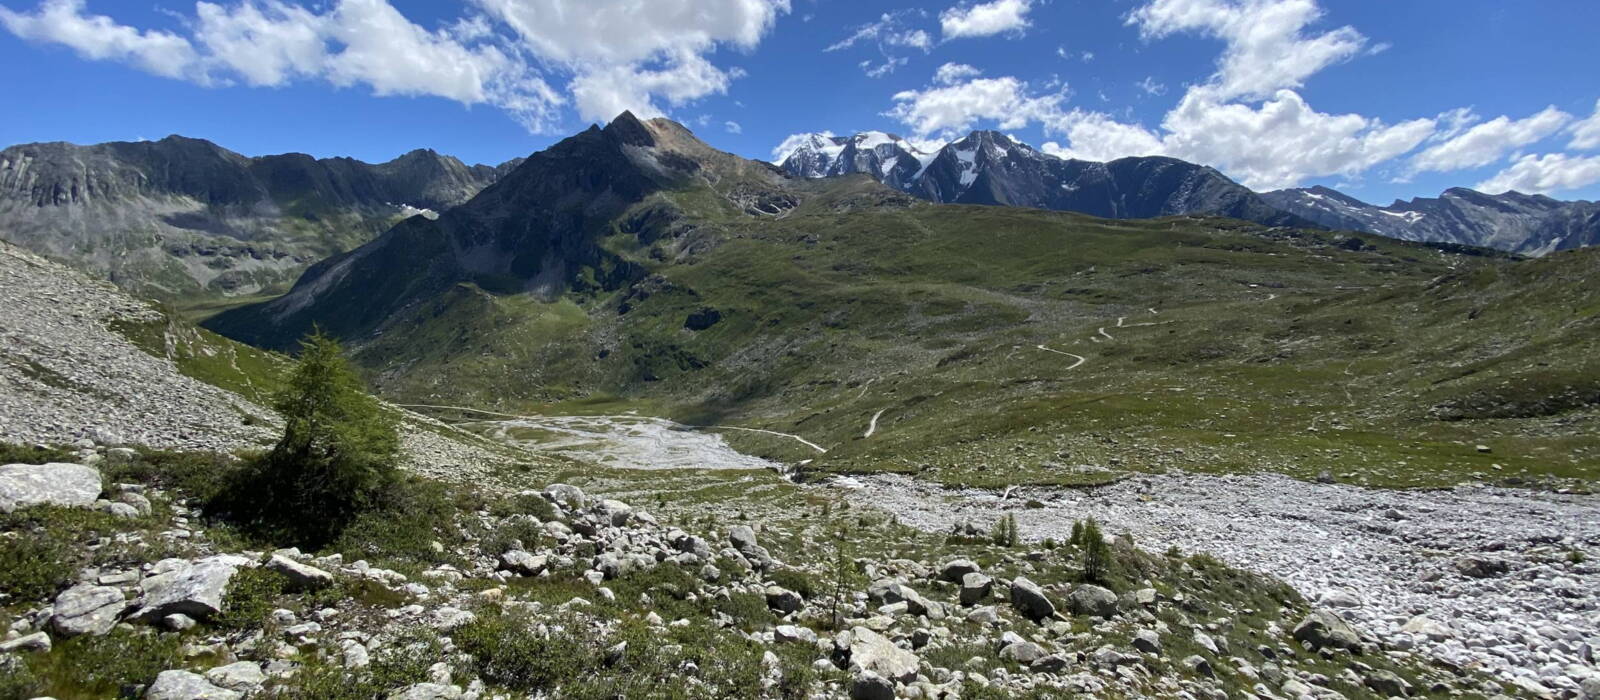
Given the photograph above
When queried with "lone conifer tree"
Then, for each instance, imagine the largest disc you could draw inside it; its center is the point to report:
(336, 457)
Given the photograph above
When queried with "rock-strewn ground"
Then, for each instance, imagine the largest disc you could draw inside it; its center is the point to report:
(65, 375)
(1493, 568)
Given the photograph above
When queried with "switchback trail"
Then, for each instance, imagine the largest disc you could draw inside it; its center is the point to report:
(1080, 359)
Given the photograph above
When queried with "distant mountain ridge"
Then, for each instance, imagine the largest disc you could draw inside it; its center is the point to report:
(185, 217)
(988, 167)
(1520, 223)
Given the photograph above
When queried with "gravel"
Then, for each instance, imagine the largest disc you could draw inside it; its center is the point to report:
(1381, 557)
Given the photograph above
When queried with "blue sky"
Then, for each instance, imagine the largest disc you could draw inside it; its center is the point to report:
(1380, 99)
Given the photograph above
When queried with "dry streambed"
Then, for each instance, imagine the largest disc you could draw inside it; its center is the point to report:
(1474, 576)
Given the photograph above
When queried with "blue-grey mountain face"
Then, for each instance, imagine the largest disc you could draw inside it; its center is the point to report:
(1522, 223)
(987, 167)
(183, 217)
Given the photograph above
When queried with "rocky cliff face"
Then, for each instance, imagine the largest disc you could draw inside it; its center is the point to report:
(988, 167)
(184, 217)
(1521, 223)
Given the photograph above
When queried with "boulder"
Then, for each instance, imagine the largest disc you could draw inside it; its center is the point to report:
(870, 651)
(1029, 599)
(242, 676)
(955, 570)
(1387, 684)
(1325, 629)
(1147, 641)
(784, 600)
(975, 588)
(1424, 626)
(743, 539)
(871, 686)
(1023, 652)
(794, 634)
(1049, 663)
(300, 576)
(567, 496)
(192, 588)
(428, 691)
(1092, 600)
(183, 685)
(614, 512)
(1199, 666)
(523, 563)
(38, 641)
(87, 609)
(55, 484)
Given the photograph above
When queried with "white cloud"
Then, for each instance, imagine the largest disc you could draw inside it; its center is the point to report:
(1267, 45)
(985, 19)
(1098, 137)
(948, 109)
(1283, 141)
(1543, 174)
(1490, 141)
(100, 38)
(733, 127)
(1586, 133)
(889, 33)
(884, 68)
(1151, 87)
(952, 73)
(621, 54)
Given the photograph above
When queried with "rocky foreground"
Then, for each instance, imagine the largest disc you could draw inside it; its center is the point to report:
(557, 592)
(1476, 577)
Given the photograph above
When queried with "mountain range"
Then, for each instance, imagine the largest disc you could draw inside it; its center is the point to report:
(1516, 222)
(988, 167)
(184, 218)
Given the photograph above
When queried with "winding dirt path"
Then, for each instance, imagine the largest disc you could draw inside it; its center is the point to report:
(820, 449)
(1080, 359)
(872, 427)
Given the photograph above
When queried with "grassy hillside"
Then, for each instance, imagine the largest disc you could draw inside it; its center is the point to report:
(1226, 346)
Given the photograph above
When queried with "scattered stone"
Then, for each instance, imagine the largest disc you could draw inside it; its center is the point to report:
(794, 634)
(193, 588)
(1482, 567)
(1147, 641)
(183, 685)
(1424, 626)
(1199, 665)
(1029, 599)
(871, 686)
(567, 496)
(242, 676)
(87, 609)
(1089, 599)
(956, 570)
(784, 600)
(1387, 684)
(428, 691)
(870, 651)
(975, 588)
(301, 577)
(38, 641)
(55, 484)
(1325, 629)
(523, 563)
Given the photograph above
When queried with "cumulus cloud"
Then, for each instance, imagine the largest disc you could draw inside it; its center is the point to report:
(985, 19)
(1283, 141)
(614, 54)
(1489, 141)
(1268, 46)
(952, 73)
(1096, 136)
(1586, 133)
(1543, 174)
(100, 38)
(953, 107)
(733, 127)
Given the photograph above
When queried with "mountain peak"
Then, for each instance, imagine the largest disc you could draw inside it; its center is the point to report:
(626, 128)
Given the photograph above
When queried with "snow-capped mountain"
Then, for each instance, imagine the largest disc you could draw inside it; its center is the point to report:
(988, 167)
(1522, 223)
(889, 158)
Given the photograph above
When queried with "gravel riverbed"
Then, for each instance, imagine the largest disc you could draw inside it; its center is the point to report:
(1490, 570)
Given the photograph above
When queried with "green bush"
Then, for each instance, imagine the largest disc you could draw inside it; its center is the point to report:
(404, 522)
(197, 475)
(507, 653)
(17, 681)
(11, 453)
(252, 596)
(1005, 531)
(41, 548)
(795, 580)
(401, 662)
(336, 458)
(91, 666)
